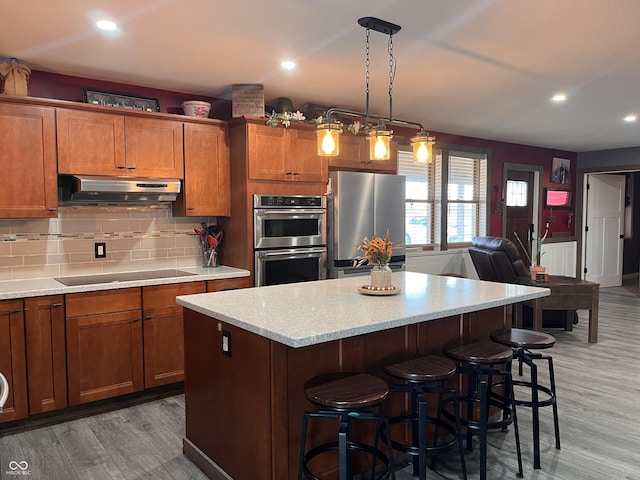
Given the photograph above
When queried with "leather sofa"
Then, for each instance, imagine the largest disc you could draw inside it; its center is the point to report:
(497, 259)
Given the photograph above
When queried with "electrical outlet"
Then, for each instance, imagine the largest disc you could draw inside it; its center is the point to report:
(226, 343)
(101, 249)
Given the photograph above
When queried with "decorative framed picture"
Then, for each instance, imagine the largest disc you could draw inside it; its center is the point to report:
(121, 100)
(560, 170)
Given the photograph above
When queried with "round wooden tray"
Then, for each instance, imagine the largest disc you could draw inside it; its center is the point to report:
(366, 290)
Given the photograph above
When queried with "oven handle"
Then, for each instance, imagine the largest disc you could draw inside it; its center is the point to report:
(292, 252)
(288, 212)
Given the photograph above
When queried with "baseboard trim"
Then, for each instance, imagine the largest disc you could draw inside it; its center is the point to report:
(210, 468)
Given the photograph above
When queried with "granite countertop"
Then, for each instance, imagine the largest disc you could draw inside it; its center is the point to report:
(302, 314)
(37, 287)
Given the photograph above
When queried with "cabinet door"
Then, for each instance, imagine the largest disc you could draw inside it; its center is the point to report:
(12, 359)
(154, 147)
(90, 143)
(28, 185)
(164, 332)
(268, 153)
(354, 155)
(46, 353)
(104, 344)
(306, 165)
(207, 176)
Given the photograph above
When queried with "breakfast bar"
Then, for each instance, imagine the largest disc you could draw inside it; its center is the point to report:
(248, 353)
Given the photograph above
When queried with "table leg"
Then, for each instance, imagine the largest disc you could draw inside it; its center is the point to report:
(537, 314)
(593, 316)
(517, 315)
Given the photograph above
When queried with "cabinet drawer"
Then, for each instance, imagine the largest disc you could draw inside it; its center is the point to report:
(164, 295)
(94, 303)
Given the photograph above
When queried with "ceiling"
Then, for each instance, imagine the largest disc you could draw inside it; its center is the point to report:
(482, 68)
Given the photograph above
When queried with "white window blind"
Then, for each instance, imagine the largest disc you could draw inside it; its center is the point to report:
(419, 211)
(466, 196)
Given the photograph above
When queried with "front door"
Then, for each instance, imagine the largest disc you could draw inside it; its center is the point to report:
(519, 195)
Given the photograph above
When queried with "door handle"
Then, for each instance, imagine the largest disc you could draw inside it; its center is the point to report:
(621, 236)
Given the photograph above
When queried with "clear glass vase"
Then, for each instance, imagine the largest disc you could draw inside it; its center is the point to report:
(381, 277)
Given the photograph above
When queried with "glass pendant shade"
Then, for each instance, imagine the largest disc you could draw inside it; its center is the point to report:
(379, 143)
(328, 139)
(422, 145)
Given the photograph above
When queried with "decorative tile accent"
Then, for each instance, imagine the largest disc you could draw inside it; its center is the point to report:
(136, 238)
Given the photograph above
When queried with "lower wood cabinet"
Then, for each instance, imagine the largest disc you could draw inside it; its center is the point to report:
(104, 344)
(12, 359)
(46, 353)
(164, 332)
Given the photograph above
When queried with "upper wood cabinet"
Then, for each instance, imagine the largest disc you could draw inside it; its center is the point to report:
(46, 353)
(354, 155)
(12, 359)
(97, 143)
(284, 154)
(207, 176)
(28, 185)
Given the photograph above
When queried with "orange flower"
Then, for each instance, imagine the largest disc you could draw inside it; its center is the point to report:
(377, 251)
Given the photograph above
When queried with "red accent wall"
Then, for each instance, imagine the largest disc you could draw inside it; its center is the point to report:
(503, 152)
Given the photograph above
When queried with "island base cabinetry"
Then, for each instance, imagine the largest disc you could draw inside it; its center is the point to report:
(252, 400)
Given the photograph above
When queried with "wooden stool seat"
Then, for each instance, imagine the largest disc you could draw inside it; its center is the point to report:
(521, 338)
(346, 390)
(427, 368)
(481, 352)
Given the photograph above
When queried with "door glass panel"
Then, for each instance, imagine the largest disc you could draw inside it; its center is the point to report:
(516, 193)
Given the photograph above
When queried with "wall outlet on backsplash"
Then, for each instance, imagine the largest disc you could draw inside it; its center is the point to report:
(101, 249)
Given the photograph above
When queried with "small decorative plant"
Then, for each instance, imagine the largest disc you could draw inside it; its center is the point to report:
(286, 118)
(534, 259)
(377, 251)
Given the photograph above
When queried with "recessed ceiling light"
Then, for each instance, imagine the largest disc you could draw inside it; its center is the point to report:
(631, 118)
(107, 25)
(559, 97)
(288, 65)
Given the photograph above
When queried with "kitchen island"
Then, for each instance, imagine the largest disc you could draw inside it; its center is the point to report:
(249, 352)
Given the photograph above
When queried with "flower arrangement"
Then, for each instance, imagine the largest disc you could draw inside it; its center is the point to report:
(377, 251)
(286, 118)
(534, 260)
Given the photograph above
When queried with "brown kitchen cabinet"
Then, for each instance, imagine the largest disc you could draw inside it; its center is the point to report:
(29, 184)
(104, 344)
(284, 154)
(163, 332)
(13, 359)
(354, 155)
(207, 176)
(46, 353)
(100, 143)
(229, 284)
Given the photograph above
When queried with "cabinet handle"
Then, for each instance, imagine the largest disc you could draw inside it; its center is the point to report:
(148, 317)
(52, 209)
(136, 320)
(57, 304)
(16, 310)
(131, 168)
(191, 208)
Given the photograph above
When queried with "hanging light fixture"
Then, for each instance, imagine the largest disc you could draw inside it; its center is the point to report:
(379, 137)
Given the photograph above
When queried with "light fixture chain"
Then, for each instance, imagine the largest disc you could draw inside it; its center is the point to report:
(367, 64)
(392, 75)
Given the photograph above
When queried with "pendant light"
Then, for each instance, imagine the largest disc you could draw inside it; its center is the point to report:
(379, 137)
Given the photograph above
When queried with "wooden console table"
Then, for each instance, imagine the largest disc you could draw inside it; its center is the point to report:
(567, 293)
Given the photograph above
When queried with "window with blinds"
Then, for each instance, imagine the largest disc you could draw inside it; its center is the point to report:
(466, 196)
(461, 206)
(419, 211)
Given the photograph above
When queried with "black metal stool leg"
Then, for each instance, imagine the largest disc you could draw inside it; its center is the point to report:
(484, 418)
(515, 424)
(535, 411)
(552, 385)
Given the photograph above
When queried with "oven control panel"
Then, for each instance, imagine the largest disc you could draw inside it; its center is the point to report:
(291, 201)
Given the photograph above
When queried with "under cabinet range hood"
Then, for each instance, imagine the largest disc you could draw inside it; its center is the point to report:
(94, 190)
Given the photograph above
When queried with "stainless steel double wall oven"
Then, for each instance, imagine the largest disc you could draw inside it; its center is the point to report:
(288, 239)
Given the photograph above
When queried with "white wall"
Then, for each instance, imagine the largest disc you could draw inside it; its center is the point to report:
(451, 261)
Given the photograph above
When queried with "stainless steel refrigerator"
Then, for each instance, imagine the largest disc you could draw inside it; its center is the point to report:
(362, 205)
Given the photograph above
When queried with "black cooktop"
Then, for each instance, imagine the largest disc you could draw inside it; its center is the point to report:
(121, 277)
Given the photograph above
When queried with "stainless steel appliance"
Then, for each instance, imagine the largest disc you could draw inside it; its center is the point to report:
(362, 205)
(288, 239)
(80, 189)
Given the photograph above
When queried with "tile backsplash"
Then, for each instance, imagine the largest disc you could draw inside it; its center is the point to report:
(137, 238)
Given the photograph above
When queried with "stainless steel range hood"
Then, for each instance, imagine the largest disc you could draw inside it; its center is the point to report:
(90, 190)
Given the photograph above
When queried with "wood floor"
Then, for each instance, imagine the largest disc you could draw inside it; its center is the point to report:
(598, 395)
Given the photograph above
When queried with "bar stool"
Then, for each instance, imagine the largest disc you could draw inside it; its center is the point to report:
(522, 342)
(479, 361)
(426, 374)
(347, 397)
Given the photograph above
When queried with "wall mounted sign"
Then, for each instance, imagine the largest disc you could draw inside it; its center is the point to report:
(121, 100)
